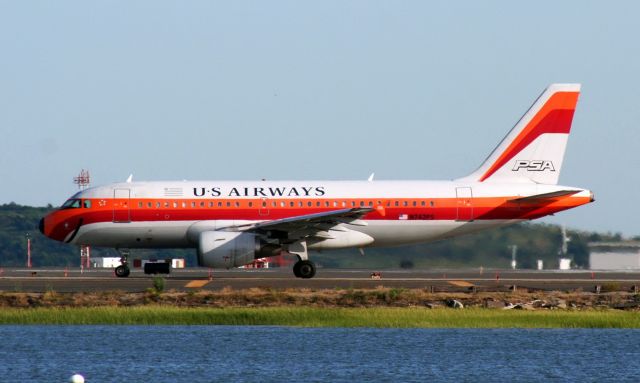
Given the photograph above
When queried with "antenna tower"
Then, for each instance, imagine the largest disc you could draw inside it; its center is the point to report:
(82, 180)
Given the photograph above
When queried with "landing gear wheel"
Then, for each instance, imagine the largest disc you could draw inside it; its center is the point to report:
(296, 269)
(122, 271)
(304, 269)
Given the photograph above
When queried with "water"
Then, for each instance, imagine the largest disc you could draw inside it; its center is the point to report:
(277, 354)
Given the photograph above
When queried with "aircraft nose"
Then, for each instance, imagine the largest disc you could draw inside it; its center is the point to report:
(41, 225)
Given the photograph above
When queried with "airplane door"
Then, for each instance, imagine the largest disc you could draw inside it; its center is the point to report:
(263, 210)
(464, 204)
(121, 209)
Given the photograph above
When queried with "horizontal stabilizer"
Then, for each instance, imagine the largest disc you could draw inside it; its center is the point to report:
(546, 196)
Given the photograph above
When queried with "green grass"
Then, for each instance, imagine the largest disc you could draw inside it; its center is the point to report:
(324, 317)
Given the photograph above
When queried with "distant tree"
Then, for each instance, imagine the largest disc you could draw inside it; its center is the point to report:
(595, 237)
(406, 264)
(579, 249)
(487, 248)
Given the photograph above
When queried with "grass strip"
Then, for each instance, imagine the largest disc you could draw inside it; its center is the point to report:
(380, 317)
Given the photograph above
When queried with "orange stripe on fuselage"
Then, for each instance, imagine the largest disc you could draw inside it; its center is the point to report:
(490, 208)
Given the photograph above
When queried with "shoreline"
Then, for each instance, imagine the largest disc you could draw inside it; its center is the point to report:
(377, 308)
(339, 298)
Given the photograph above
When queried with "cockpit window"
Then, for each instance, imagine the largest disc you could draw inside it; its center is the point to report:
(86, 203)
(71, 204)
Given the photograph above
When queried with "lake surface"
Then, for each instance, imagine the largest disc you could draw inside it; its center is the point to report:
(277, 354)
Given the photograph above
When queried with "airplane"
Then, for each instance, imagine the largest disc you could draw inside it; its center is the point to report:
(232, 223)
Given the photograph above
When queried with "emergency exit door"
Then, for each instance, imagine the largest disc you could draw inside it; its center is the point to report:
(121, 209)
(464, 204)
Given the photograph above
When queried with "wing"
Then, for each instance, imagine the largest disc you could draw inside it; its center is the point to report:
(294, 228)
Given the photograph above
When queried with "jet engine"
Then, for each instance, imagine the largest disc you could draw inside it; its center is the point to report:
(227, 249)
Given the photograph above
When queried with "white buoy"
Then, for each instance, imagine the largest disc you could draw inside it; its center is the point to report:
(77, 378)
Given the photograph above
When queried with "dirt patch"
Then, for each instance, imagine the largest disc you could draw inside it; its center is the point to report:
(378, 297)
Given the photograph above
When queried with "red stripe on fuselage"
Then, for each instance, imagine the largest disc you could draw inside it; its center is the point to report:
(146, 210)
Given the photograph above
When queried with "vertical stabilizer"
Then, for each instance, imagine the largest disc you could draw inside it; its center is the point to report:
(534, 149)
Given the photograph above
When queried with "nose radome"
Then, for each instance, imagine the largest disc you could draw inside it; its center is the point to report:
(41, 225)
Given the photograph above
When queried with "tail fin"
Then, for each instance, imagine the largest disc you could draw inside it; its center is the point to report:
(534, 149)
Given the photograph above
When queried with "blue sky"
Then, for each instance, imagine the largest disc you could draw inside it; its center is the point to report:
(311, 90)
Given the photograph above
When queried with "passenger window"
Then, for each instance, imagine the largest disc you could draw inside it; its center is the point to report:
(396, 203)
(140, 204)
(175, 204)
(219, 204)
(335, 203)
(158, 204)
(405, 203)
(370, 203)
(228, 204)
(282, 204)
(344, 204)
(423, 203)
(149, 204)
(237, 204)
(184, 204)
(87, 203)
(250, 204)
(326, 203)
(264, 204)
(292, 204)
(353, 203)
(166, 204)
(432, 204)
(318, 204)
(309, 203)
(415, 203)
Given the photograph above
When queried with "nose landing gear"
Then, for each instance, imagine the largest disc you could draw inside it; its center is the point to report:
(123, 270)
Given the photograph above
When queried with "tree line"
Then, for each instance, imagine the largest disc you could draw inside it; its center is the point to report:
(489, 248)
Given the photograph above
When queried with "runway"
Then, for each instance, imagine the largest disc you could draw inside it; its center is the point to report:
(454, 280)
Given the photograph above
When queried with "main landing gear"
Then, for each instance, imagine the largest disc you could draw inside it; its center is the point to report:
(304, 268)
(123, 270)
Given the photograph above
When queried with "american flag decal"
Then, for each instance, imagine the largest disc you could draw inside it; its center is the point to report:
(403, 216)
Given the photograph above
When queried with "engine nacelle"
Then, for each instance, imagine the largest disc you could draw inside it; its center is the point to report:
(226, 249)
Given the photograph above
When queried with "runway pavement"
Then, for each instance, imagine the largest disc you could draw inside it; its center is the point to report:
(454, 280)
